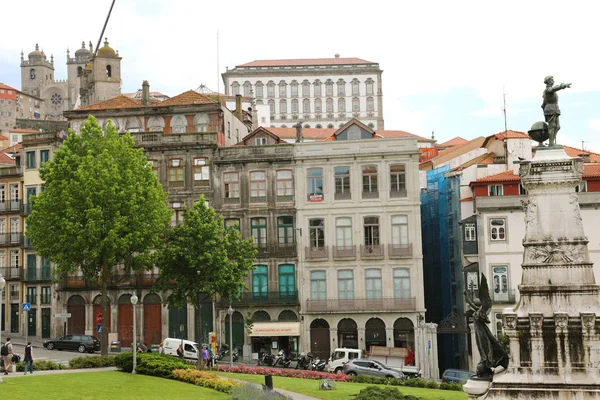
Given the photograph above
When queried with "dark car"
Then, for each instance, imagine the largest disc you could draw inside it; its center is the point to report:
(81, 343)
(456, 376)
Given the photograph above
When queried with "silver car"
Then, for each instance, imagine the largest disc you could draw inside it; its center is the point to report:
(371, 368)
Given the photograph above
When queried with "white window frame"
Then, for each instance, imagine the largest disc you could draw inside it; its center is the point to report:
(495, 190)
(470, 232)
(499, 231)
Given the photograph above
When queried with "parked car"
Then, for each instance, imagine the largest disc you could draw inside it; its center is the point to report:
(342, 355)
(456, 376)
(370, 368)
(81, 343)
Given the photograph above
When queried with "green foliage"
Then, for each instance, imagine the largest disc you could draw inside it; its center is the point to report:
(200, 255)
(153, 364)
(42, 365)
(92, 362)
(431, 385)
(416, 382)
(382, 393)
(102, 206)
(451, 386)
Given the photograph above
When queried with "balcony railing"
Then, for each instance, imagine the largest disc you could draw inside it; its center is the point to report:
(398, 193)
(263, 249)
(10, 238)
(31, 274)
(342, 196)
(26, 209)
(27, 243)
(370, 195)
(360, 305)
(507, 297)
(284, 250)
(14, 273)
(344, 252)
(11, 205)
(371, 251)
(315, 253)
(400, 250)
(248, 298)
(144, 281)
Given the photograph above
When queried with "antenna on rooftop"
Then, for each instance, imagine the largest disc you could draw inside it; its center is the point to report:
(582, 147)
(103, 29)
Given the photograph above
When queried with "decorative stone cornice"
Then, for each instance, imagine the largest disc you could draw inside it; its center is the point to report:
(561, 321)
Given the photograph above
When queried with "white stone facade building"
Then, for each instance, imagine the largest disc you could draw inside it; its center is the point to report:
(319, 93)
(360, 261)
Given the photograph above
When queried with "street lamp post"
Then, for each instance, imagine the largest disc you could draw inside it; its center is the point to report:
(230, 313)
(2, 284)
(134, 301)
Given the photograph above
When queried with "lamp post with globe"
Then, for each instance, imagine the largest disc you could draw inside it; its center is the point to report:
(134, 301)
(230, 313)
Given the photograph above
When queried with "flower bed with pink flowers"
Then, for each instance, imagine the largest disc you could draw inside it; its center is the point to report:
(292, 373)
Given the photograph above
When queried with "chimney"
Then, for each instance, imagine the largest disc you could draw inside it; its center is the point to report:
(238, 105)
(299, 138)
(145, 94)
(586, 157)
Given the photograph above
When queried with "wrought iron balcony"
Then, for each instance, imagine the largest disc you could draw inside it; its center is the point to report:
(26, 209)
(14, 273)
(316, 253)
(284, 250)
(400, 250)
(10, 205)
(398, 193)
(117, 281)
(370, 195)
(342, 196)
(264, 298)
(263, 250)
(506, 297)
(27, 242)
(13, 238)
(371, 251)
(344, 252)
(361, 305)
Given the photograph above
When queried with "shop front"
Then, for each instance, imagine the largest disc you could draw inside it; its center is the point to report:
(274, 336)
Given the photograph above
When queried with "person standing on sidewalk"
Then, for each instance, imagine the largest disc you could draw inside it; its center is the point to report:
(204, 357)
(7, 354)
(28, 358)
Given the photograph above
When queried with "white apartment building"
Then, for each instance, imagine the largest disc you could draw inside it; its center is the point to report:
(360, 260)
(319, 93)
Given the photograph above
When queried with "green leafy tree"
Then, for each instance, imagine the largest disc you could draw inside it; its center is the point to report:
(200, 255)
(102, 207)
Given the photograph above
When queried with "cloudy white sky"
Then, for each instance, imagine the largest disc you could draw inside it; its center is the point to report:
(446, 63)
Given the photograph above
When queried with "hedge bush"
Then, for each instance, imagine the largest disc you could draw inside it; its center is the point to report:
(151, 364)
(451, 386)
(92, 362)
(42, 365)
(288, 372)
(251, 392)
(382, 393)
(205, 379)
(412, 382)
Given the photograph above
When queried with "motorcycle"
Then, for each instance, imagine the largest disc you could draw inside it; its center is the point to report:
(287, 360)
(304, 360)
(223, 351)
(318, 364)
(279, 358)
(265, 359)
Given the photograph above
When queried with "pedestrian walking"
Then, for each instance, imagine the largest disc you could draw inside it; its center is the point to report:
(180, 351)
(161, 348)
(28, 358)
(211, 357)
(7, 354)
(204, 356)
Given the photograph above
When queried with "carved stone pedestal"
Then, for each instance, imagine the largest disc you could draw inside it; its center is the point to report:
(554, 333)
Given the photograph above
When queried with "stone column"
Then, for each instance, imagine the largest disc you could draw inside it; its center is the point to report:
(588, 330)
(536, 321)
(510, 328)
(333, 339)
(389, 334)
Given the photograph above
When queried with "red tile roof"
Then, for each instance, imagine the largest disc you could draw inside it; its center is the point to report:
(591, 170)
(575, 152)
(505, 135)
(504, 176)
(307, 133)
(6, 160)
(118, 102)
(4, 86)
(187, 98)
(305, 62)
(396, 134)
(20, 130)
(15, 148)
(2, 137)
(453, 142)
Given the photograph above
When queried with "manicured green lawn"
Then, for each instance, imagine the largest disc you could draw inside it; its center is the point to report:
(103, 385)
(344, 389)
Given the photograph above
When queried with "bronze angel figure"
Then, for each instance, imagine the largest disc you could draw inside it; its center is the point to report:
(492, 354)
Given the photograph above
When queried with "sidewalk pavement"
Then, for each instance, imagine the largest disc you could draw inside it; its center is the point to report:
(57, 371)
(17, 339)
(289, 394)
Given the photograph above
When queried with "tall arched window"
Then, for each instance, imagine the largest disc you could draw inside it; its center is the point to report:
(294, 106)
(329, 87)
(272, 107)
(259, 94)
(355, 105)
(282, 89)
(201, 122)
(305, 88)
(156, 124)
(294, 88)
(271, 89)
(317, 88)
(178, 124)
(401, 283)
(235, 88)
(108, 71)
(341, 105)
(282, 107)
(260, 282)
(318, 106)
(306, 106)
(330, 105)
(247, 88)
(370, 104)
(355, 87)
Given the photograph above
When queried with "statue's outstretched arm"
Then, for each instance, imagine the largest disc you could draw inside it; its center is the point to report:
(561, 87)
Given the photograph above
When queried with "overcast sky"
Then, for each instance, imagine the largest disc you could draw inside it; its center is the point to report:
(446, 63)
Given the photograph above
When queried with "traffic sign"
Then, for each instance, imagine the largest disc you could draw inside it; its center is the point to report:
(26, 306)
(99, 328)
(63, 315)
(99, 318)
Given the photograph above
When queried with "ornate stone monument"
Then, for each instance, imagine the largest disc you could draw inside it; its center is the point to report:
(554, 334)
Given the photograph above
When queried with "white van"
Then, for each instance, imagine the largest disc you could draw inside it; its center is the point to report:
(190, 349)
(341, 356)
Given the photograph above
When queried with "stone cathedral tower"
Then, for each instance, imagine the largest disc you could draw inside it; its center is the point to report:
(101, 78)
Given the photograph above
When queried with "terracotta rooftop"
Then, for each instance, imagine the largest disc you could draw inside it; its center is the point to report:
(118, 102)
(187, 98)
(487, 158)
(6, 160)
(307, 133)
(397, 134)
(20, 130)
(504, 176)
(15, 148)
(2, 137)
(453, 142)
(575, 152)
(305, 62)
(5, 86)
(591, 170)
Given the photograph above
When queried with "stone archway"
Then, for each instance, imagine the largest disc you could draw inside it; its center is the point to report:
(404, 333)
(347, 331)
(125, 320)
(76, 307)
(375, 333)
(238, 330)
(288, 315)
(152, 319)
(261, 316)
(319, 338)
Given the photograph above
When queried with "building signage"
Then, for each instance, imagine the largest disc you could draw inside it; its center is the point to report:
(315, 198)
(273, 329)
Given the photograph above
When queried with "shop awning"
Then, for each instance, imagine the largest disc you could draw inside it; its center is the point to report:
(266, 329)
